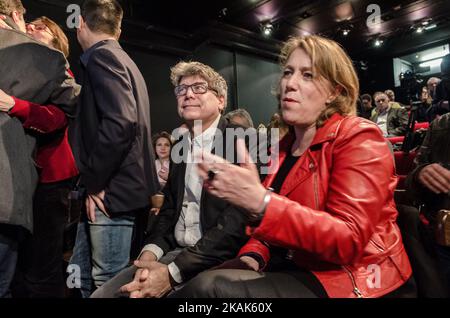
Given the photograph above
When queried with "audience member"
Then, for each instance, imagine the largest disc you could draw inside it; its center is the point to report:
(162, 143)
(429, 182)
(196, 230)
(240, 117)
(329, 224)
(391, 121)
(366, 108)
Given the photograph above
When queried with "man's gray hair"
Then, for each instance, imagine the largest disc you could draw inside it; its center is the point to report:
(215, 81)
(240, 112)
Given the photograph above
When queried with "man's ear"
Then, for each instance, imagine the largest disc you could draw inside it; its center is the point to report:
(118, 34)
(221, 104)
(81, 23)
(16, 16)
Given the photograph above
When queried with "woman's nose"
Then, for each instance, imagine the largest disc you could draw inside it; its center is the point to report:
(30, 27)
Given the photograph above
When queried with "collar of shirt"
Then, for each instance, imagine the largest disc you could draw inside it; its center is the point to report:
(206, 137)
(385, 111)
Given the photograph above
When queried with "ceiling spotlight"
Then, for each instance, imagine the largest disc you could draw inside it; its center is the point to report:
(267, 28)
(378, 42)
(419, 29)
(345, 32)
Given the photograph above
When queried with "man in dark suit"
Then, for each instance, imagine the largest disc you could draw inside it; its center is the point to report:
(195, 230)
(112, 144)
(30, 71)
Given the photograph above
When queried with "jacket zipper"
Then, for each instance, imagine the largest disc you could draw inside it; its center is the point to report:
(356, 290)
(316, 192)
(380, 248)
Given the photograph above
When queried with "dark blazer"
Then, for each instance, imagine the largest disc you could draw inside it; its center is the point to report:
(222, 224)
(112, 142)
(33, 72)
(434, 149)
(397, 121)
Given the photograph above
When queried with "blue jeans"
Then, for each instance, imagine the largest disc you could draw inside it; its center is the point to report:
(102, 249)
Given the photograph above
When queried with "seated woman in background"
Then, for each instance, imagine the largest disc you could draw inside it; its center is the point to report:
(328, 228)
(162, 143)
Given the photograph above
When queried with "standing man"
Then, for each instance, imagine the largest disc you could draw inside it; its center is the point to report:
(30, 71)
(112, 145)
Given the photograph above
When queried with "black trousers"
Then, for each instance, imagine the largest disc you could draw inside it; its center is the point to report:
(283, 280)
(41, 255)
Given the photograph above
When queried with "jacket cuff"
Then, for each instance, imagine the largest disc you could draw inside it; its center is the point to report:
(21, 109)
(254, 246)
(261, 262)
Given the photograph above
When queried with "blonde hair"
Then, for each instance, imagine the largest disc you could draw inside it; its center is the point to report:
(329, 61)
(215, 81)
(7, 7)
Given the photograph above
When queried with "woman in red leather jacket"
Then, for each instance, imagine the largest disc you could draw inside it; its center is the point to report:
(328, 228)
(42, 253)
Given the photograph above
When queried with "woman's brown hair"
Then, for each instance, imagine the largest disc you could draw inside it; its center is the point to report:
(59, 41)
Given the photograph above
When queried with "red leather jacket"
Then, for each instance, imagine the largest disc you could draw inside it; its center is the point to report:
(336, 211)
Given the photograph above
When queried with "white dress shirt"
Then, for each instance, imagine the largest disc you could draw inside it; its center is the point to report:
(382, 122)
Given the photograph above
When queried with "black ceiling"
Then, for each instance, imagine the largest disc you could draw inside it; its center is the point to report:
(180, 26)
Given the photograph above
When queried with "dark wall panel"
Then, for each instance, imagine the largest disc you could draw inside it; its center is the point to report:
(257, 78)
(222, 61)
(156, 71)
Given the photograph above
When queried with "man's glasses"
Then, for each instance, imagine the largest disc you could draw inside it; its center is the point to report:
(381, 100)
(197, 88)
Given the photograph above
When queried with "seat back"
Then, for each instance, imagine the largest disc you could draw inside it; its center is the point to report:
(404, 164)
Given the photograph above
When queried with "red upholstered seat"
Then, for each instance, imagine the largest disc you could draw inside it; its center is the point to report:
(424, 125)
(404, 164)
(396, 139)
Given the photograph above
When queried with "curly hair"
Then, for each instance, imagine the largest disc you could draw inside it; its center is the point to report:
(215, 81)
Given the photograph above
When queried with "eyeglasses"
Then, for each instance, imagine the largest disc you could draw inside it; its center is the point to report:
(41, 27)
(197, 88)
(381, 100)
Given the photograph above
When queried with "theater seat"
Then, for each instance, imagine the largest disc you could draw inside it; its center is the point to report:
(396, 139)
(423, 125)
(404, 164)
